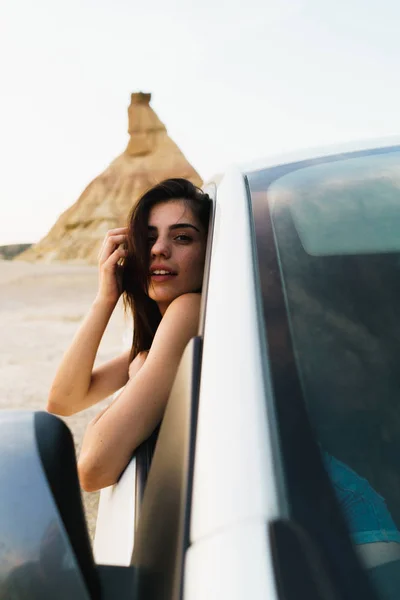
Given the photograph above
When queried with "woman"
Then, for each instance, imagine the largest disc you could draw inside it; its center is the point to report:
(162, 252)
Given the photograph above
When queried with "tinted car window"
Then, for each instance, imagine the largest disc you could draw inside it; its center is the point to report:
(336, 227)
(346, 207)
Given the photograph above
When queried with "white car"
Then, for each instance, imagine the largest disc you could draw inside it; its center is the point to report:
(298, 351)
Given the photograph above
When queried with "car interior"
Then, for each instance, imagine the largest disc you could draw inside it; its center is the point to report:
(346, 334)
(343, 313)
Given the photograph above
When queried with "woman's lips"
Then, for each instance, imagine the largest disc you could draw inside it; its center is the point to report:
(161, 278)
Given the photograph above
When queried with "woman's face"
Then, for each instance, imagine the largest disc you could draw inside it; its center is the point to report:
(177, 243)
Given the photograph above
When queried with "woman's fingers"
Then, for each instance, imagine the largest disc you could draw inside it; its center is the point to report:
(109, 275)
(117, 230)
(112, 232)
(111, 252)
(115, 256)
(110, 244)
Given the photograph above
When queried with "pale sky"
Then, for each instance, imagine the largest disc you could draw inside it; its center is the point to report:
(232, 80)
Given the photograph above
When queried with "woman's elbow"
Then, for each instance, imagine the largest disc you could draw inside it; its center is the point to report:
(60, 404)
(58, 409)
(87, 476)
(92, 478)
(87, 482)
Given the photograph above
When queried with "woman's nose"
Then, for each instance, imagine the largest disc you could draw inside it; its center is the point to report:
(161, 247)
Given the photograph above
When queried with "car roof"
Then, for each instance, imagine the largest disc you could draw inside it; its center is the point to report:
(317, 152)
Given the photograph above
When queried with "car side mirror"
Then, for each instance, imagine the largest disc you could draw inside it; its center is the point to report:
(45, 551)
(45, 547)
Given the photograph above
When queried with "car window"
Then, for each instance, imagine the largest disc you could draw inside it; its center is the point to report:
(346, 207)
(336, 232)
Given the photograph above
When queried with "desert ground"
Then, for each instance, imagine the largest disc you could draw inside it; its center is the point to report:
(41, 307)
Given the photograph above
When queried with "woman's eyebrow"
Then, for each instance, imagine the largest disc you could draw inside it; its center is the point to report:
(175, 226)
(183, 226)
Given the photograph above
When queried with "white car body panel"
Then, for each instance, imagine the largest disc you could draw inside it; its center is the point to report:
(234, 564)
(115, 525)
(233, 475)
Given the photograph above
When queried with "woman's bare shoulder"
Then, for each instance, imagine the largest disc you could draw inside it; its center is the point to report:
(179, 324)
(184, 310)
(189, 303)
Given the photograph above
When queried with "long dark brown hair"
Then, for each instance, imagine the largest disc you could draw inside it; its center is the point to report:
(135, 268)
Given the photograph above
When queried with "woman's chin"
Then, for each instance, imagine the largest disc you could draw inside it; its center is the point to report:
(163, 298)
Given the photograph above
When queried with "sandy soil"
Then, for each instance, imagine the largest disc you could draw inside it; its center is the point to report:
(41, 307)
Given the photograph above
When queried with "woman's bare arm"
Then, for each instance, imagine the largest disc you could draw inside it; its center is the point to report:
(112, 436)
(76, 386)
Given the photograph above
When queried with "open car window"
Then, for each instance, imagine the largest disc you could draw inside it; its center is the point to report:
(330, 267)
(120, 507)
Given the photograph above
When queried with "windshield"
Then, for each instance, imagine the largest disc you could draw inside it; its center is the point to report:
(336, 228)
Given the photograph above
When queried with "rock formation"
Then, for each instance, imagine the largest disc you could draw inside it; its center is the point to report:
(150, 157)
(9, 251)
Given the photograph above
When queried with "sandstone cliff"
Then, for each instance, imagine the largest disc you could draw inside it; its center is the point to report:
(150, 157)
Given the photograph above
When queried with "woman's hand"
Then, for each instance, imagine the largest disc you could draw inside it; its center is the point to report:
(111, 252)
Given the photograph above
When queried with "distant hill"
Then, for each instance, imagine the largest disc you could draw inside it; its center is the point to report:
(150, 156)
(8, 252)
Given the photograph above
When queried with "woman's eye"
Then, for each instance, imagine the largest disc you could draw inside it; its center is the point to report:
(183, 238)
(151, 240)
